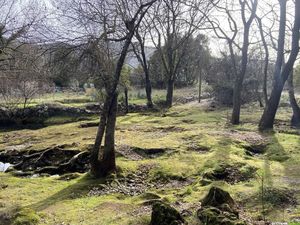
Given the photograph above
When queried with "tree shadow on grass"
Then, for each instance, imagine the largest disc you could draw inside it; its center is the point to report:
(274, 152)
(223, 151)
(79, 189)
(221, 154)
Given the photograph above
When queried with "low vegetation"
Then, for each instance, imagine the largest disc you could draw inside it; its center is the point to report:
(194, 150)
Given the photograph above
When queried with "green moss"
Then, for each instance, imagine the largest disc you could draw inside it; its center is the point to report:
(279, 197)
(26, 216)
(69, 201)
(62, 120)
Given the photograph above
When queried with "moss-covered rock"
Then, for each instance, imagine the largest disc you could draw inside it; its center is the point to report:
(163, 214)
(214, 216)
(218, 208)
(217, 197)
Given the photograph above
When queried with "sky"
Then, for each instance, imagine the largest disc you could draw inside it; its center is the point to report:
(216, 45)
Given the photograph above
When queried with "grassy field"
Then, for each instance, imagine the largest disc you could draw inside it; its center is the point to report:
(199, 141)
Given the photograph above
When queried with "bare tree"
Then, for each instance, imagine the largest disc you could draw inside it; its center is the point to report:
(105, 29)
(247, 10)
(172, 23)
(281, 72)
(16, 22)
(295, 121)
(20, 70)
(21, 79)
(266, 59)
(139, 49)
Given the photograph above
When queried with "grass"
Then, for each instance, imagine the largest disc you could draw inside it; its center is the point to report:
(54, 201)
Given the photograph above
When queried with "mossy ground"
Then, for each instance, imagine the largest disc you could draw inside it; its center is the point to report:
(67, 202)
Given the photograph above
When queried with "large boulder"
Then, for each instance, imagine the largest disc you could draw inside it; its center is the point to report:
(164, 214)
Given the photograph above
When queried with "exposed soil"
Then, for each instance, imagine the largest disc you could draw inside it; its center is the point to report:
(253, 149)
(188, 121)
(280, 197)
(151, 152)
(135, 183)
(231, 173)
(192, 143)
(252, 138)
(194, 146)
(127, 152)
(63, 159)
(51, 160)
(136, 153)
(89, 124)
(253, 143)
(160, 129)
(132, 184)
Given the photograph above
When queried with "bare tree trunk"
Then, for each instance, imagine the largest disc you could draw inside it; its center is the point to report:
(238, 86)
(144, 63)
(281, 74)
(102, 159)
(170, 90)
(103, 162)
(148, 90)
(265, 84)
(108, 164)
(236, 110)
(295, 121)
(268, 116)
(147, 74)
(266, 60)
(95, 159)
(200, 86)
(126, 99)
(258, 97)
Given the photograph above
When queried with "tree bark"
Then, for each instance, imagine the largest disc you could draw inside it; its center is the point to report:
(238, 86)
(200, 87)
(236, 110)
(259, 98)
(147, 75)
(266, 60)
(102, 160)
(295, 121)
(126, 99)
(281, 74)
(148, 90)
(99, 167)
(108, 164)
(170, 90)
(268, 116)
(144, 63)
